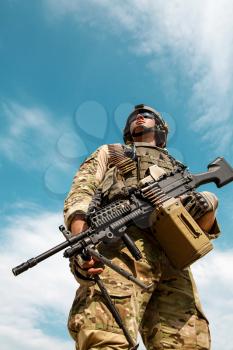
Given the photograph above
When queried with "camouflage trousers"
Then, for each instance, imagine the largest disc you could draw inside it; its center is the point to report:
(167, 317)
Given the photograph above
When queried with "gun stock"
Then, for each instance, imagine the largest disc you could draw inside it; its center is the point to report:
(219, 171)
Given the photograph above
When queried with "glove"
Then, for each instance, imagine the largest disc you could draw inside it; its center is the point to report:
(199, 203)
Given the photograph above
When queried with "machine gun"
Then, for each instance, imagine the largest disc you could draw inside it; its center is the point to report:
(157, 193)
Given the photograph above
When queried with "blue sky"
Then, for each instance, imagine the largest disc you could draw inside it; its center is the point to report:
(70, 72)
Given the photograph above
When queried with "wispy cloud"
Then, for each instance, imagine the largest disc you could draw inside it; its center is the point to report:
(27, 300)
(33, 138)
(28, 134)
(192, 37)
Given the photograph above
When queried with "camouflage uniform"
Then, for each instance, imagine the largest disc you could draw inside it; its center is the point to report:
(169, 316)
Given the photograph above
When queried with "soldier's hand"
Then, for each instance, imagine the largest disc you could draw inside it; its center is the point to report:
(92, 266)
(199, 203)
(202, 207)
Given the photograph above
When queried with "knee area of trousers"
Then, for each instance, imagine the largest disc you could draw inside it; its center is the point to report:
(99, 339)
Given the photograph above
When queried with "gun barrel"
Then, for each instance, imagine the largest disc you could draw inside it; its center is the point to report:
(34, 261)
(24, 266)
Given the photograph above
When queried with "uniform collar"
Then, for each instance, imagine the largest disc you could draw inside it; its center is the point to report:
(148, 145)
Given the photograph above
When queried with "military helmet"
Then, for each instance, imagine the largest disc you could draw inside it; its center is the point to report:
(160, 129)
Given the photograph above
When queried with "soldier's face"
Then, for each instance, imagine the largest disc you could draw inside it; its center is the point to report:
(139, 122)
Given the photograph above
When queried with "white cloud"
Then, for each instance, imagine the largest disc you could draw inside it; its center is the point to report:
(49, 287)
(194, 37)
(215, 284)
(27, 299)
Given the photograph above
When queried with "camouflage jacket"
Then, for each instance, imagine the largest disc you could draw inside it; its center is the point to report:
(103, 168)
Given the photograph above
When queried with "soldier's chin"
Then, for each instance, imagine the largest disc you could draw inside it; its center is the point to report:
(141, 130)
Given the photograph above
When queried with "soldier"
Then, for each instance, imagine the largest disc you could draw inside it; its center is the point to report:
(169, 316)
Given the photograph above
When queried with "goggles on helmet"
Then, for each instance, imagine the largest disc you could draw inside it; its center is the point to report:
(145, 115)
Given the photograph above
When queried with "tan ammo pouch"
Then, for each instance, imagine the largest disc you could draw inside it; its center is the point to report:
(182, 240)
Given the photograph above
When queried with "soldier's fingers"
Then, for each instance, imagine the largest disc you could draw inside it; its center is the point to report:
(95, 271)
(88, 264)
(95, 259)
(184, 198)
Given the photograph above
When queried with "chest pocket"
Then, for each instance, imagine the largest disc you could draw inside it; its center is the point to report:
(113, 185)
(165, 164)
(147, 160)
(108, 180)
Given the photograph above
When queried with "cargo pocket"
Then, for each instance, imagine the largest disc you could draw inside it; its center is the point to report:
(200, 312)
(90, 311)
(76, 317)
(125, 302)
(203, 338)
